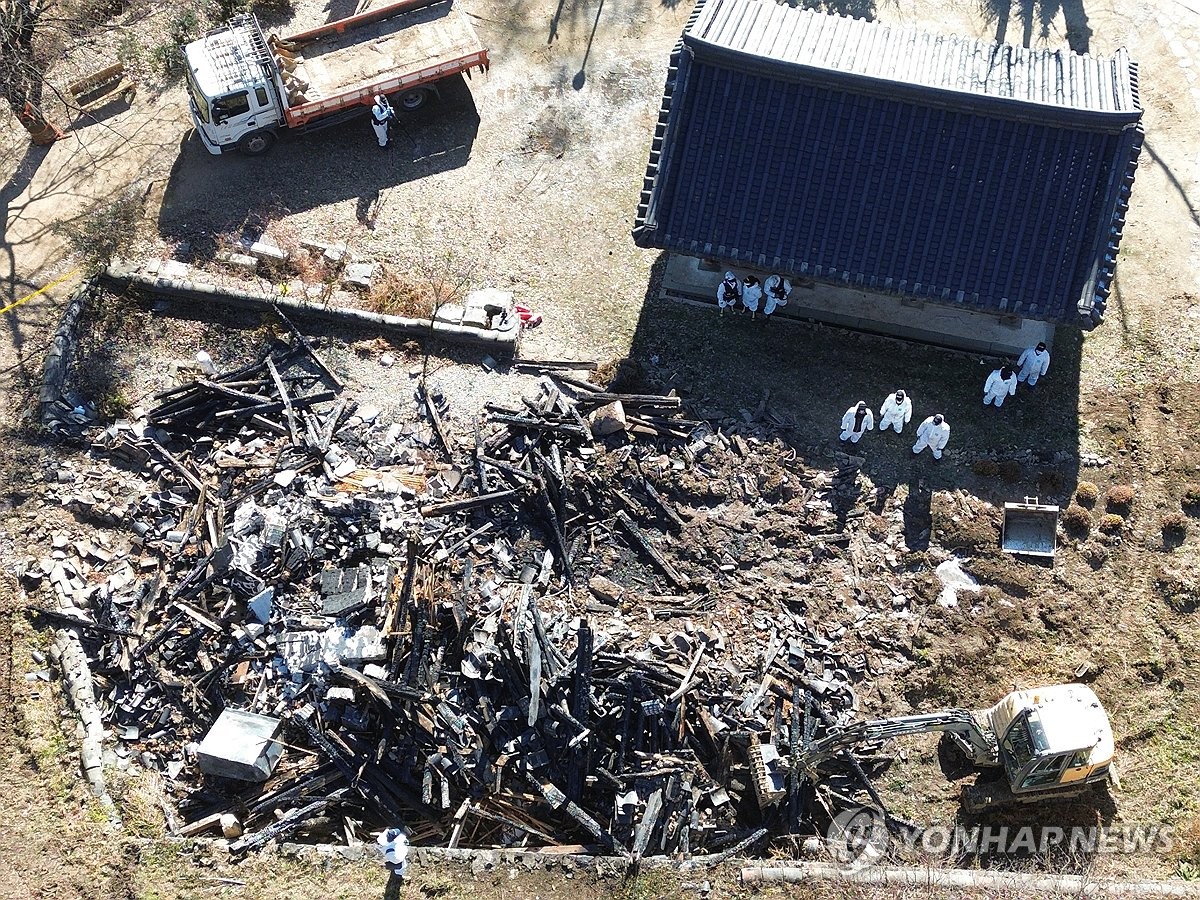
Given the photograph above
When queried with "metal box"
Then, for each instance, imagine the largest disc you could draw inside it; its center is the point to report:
(1030, 528)
(241, 745)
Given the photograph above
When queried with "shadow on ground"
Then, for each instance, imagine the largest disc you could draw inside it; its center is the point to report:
(810, 374)
(1039, 13)
(206, 193)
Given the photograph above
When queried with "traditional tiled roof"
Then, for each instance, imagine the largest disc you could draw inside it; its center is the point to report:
(933, 167)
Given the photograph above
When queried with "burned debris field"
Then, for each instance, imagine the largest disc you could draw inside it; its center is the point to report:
(585, 616)
(510, 640)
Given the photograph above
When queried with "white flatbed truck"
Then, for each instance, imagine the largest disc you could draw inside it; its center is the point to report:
(246, 87)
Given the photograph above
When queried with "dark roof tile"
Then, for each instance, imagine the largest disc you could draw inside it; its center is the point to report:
(1002, 187)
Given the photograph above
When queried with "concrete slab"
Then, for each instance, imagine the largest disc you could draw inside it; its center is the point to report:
(923, 322)
(240, 745)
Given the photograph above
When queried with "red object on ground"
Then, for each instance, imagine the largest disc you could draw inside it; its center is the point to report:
(529, 319)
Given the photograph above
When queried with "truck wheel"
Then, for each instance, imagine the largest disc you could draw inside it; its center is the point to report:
(256, 143)
(414, 99)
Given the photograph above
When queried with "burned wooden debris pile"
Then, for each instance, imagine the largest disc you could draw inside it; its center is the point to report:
(316, 622)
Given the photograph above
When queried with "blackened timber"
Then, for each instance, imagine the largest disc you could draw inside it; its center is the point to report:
(268, 408)
(175, 464)
(478, 810)
(272, 800)
(659, 501)
(562, 428)
(308, 348)
(63, 620)
(581, 707)
(535, 681)
(558, 800)
(639, 538)
(654, 806)
(389, 797)
(536, 365)
(506, 467)
(579, 384)
(480, 472)
(445, 509)
(284, 826)
(406, 592)
(435, 418)
(232, 393)
(416, 655)
(551, 519)
(716, 859)
(634, 400)
(289, 413)
(268, 425)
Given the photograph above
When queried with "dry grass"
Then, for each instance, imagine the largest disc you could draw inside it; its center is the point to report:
(1191, 498)
(985, 468)
(1111, 523)
(1076, 520)
(395, 294)
(1174, 525)
(1011, 471)
(1086, 494)
(1120, 498)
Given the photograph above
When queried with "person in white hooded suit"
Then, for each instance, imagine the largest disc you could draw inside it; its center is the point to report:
(1000, 385)
(933, 433)
(1033, 364)
(896, 412)
(857, 421)
(382, 115)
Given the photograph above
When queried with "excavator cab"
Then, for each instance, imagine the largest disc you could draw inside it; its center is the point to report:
(1053, 739)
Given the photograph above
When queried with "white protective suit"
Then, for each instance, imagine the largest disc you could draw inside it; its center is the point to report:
(729, 292)
(751, 295)
(997, 388)
(1034, 364)
(394, 845)
(893, 414)
(381, 116)
(848, 432)
(934, 435)
(775, 293)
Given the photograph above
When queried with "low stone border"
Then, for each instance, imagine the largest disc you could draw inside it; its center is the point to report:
(58, 358)
(68, 654)
(498, 340)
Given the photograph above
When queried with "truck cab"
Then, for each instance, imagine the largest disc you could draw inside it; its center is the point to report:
(232, 88)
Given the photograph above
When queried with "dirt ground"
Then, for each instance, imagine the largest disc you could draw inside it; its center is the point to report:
(530, 178)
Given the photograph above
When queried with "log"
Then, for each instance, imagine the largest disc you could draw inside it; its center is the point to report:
(453, 506)
(639, 538)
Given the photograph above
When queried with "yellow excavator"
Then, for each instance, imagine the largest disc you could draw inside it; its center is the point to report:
(1051, 743)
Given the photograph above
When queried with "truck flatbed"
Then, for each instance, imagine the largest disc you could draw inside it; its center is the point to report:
(346, 60)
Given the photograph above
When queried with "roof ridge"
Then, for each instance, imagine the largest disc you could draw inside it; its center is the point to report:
(798, 42)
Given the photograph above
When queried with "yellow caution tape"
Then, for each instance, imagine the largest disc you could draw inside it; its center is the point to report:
(46, 287)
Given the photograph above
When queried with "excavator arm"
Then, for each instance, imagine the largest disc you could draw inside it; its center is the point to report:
(978, 744)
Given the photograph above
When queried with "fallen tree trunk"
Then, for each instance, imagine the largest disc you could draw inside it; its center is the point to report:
(1041, 885)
